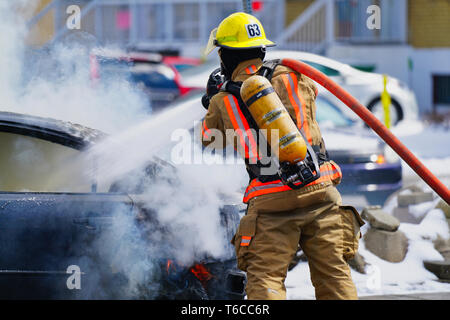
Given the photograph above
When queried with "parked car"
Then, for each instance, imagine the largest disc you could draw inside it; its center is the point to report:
(53, 218)
(170, 57)
(364, 86)
(181, 63)
(370, 168)
(156, 75)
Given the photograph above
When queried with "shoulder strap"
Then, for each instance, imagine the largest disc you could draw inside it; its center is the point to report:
(233, 87)
(268, 68)
(254, 170)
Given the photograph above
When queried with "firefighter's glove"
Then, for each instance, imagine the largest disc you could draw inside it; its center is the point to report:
(215, 81)
(205, 101)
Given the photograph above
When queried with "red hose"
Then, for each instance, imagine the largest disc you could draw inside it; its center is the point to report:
(372, 122)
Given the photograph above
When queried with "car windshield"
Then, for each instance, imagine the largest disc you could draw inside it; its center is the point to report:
(154, 77)
(324, 69)
(329, 115)
(183, 66)
(112, 67)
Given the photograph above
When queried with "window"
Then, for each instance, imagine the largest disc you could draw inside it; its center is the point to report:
(154, 76)
(351, 21)
(441, 90)
(34, 165)
(329, 115)
(327, 71)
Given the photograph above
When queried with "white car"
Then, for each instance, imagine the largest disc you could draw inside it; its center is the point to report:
(364, 86)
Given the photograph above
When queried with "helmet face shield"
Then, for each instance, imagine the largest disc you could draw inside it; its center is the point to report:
(211, 42)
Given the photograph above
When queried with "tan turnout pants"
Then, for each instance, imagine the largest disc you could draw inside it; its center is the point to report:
(269, 234)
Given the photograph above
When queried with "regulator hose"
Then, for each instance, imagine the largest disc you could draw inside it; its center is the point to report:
(373, 123)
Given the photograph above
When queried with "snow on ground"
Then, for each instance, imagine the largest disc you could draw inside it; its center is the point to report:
(383, 277)
(432, 146)
(409, 275)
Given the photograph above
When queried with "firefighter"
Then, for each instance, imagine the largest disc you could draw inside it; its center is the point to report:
(279, 219)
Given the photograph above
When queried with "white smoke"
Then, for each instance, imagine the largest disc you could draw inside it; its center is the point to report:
(12, 33)
(110, 106)
(55, 82)
(189, 205)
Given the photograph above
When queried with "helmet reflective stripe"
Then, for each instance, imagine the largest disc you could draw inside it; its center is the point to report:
(226, 39)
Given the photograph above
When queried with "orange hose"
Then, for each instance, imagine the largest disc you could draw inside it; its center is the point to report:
(374, 123)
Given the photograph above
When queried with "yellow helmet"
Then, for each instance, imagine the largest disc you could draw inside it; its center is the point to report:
(238, 31)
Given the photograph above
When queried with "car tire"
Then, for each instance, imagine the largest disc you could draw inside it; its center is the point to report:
(376, 108)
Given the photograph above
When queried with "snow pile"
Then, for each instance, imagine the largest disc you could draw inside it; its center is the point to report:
(408, 276)
(383, 277)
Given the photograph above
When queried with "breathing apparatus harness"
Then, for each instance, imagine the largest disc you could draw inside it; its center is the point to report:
(295, 175)
(225, 36)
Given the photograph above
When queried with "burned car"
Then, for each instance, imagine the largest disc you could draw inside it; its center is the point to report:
(64, 236)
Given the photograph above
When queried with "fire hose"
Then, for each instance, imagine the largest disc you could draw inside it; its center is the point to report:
(373, 123)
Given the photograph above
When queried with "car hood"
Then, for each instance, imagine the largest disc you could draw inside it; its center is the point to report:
(57, 131)
(353, 140)
(357, 77)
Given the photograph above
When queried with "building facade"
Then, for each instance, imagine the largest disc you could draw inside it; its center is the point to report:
(412, 43)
